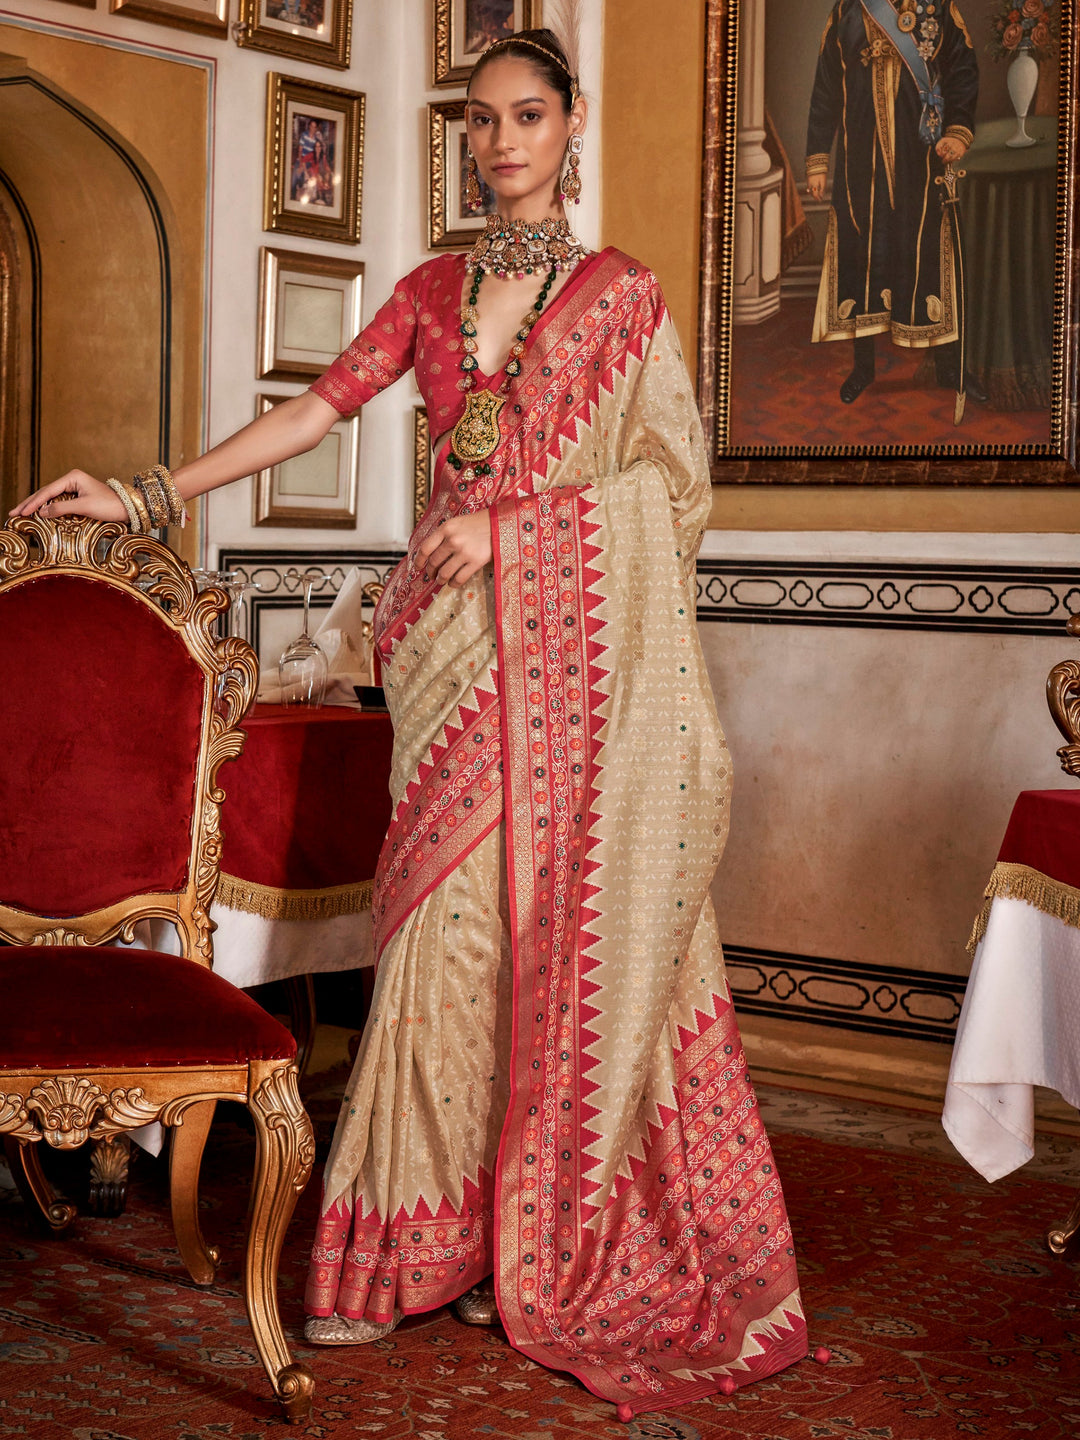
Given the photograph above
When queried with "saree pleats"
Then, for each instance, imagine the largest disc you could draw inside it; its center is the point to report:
(640, 1236)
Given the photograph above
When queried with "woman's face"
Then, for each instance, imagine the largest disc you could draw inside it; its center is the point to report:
(518, 132)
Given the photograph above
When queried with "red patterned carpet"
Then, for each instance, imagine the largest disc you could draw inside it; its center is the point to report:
(946, 1316)
(785, 391)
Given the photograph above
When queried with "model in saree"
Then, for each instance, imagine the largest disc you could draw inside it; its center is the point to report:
(550, 1090)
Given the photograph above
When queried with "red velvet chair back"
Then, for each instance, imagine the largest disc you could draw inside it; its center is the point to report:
(110, 733)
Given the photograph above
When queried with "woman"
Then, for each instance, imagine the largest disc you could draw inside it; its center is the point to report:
(551, 1083)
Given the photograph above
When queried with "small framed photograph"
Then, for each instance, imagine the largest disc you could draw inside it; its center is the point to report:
(313, 490)
(317, 31)
(463, 29)
(309, 310)
(451, 224)
(208, 17)
(422, 463)
(314, 159)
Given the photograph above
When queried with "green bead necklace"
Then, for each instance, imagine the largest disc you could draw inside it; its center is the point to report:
(476, 435)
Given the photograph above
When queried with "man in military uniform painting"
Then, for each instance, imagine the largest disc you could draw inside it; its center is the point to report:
(895, 87)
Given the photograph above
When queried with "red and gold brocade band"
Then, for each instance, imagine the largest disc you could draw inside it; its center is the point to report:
(552, 1082)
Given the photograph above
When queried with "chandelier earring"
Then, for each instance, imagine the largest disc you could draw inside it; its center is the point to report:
(473, 195)
(571, 185)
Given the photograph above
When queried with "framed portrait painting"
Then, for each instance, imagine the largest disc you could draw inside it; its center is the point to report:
(313, 490)
(886, 248)
(318, 31)
(314, 159)
(451, 223)
(463, 29)
(206, 17)
(309, 310)
(422, 462)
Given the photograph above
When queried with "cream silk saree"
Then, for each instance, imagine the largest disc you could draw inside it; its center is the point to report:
(551, 1081)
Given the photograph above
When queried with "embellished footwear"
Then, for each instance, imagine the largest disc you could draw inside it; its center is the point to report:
(339, 1330)
(478, 1306)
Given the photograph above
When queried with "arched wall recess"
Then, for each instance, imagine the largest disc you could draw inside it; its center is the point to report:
(108, 385)
(20, 287)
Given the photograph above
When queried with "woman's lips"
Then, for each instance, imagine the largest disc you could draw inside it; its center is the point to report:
(507, 169)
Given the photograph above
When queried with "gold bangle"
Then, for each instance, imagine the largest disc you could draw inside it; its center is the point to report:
(177, 508)
(145, 523)
(120, 489)
(153, 494)
(161, 495)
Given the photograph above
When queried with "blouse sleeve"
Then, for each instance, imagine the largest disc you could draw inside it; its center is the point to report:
(379, 355)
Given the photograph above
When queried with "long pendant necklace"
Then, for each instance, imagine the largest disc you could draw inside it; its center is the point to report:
(476, 435)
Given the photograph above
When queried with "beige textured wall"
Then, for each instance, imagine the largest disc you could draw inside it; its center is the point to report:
(653, 98)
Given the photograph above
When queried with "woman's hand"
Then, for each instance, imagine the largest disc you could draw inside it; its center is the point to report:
(458, 549)
(83, 496)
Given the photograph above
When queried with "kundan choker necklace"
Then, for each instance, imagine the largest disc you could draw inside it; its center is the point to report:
(520, 247)
(476, 435)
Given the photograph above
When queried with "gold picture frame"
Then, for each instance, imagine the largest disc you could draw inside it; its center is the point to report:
(316, 31)
(205, 17)
(314, 159)
(422, 462)
(463, 29)
(451, 225)
(313, 491)
(309, 309)
(975, 442)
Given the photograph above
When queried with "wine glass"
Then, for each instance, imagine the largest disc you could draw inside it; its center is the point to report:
(302, 668)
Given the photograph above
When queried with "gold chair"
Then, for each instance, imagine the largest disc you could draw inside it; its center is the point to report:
(117, 706)
(1063, 698)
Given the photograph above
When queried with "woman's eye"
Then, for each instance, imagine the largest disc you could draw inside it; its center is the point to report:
(531, 115)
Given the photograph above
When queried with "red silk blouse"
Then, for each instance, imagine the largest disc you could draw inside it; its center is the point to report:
(419, 328)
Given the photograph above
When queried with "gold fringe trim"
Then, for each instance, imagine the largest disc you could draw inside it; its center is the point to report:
(1021, 882)
(274, 904)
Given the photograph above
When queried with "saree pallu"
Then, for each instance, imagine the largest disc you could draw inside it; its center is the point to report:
(551, 1082)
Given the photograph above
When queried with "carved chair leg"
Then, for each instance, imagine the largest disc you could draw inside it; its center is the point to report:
(34, 1185)
(1058, 1239)
(185, 1157)
(302, 1017)
(285, 1149)
(110, 1165)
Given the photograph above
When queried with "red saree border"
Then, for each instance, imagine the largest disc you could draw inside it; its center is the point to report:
(453, 802)
(365, 1266)
(684, 1281)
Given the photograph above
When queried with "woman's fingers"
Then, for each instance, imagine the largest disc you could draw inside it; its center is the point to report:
(43, 496)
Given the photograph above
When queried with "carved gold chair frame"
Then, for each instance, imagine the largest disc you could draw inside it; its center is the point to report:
(1063, 698)
(67, 1108)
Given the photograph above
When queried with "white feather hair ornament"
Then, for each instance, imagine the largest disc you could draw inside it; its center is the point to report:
(563, 19)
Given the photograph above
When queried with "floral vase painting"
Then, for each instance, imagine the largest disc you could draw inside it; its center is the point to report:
(1022, 81)
(1023, 34)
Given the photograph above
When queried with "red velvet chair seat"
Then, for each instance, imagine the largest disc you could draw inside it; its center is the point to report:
(68, 1007)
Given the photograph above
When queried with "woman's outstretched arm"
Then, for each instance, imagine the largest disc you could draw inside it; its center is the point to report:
(290, 428)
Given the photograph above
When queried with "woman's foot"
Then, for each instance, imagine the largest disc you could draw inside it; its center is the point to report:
(339, 1330)
(478, 1306)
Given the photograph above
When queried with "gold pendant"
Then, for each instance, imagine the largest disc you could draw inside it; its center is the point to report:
(476, 435)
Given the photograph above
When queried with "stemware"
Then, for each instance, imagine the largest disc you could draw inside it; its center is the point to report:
(302, 669)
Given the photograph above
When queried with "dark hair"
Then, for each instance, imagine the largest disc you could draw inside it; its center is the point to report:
(544, 52)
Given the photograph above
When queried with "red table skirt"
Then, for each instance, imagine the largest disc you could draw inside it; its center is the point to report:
(307, 805)
(1039, 859)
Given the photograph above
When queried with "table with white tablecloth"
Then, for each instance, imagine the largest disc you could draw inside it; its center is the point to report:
(1020, 1023)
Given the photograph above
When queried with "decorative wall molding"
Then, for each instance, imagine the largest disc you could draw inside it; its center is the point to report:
(878, 999)
(970, 599)
(890, 595)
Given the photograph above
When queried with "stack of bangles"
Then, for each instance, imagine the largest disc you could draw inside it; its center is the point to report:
(151, 500)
